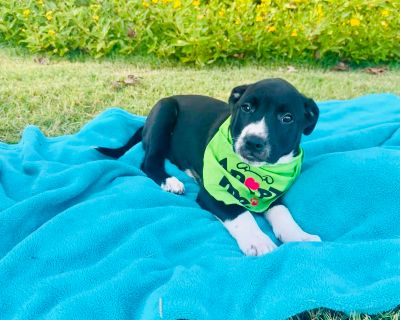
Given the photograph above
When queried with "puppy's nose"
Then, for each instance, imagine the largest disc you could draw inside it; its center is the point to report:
(255, 143)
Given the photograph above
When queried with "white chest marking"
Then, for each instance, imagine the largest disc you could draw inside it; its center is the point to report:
(286, 158)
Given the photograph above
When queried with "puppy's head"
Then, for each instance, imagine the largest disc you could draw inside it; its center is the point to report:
(268, 119)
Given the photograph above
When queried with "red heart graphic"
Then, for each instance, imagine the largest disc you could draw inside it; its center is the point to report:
(254, 201)
(251, 184)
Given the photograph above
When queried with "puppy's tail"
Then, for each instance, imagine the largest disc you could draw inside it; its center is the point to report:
(118, 152)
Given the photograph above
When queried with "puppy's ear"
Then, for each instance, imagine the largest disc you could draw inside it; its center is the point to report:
(237, 93)
(311, 112)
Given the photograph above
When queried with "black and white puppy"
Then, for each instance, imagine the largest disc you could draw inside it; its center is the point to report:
(268, 119)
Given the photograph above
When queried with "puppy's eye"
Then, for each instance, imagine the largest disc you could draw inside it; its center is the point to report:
(247, 107)
(287, 118)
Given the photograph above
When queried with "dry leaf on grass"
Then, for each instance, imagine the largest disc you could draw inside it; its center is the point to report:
(239, 55)
(131, 33)
(130, 80)
(291, 69)
(341, 66)
(41, 60)
(375, 70)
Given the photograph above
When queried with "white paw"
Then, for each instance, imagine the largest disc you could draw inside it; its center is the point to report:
(173, 185)
(310, 237)
(250, 238)
(256, 245)
(296, 236)
(285, 228)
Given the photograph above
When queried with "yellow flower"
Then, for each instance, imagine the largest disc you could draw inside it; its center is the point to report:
(96, 18)
(320, 12)
(154, 1)
(145, 4)
(51, 33)
(354, 22)
(196, 3)
(290, 6)
(26, 12)
(384, 24)
(40, 2)
(259, 19)
(177, 4)
(294, 33)
(262, 8)
(271, 29)
(49, 15)
(221, 12)
(385, 12)
(238, 21)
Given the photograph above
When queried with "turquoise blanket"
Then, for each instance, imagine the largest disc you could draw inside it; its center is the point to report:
(86, 237)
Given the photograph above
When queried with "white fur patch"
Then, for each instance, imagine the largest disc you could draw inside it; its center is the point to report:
(251, 240)
(285, 159)
(173, 185)
(258, 129)
(190, 174)
(284, 226)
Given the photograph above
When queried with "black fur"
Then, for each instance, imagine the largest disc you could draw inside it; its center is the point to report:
(116, 153)
(179, 128)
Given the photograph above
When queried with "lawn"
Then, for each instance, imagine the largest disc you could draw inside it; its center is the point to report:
(60, 96)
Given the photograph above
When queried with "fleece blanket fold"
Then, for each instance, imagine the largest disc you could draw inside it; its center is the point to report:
(83, 236)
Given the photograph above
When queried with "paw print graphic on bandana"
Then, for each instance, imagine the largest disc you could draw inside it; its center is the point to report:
(254, 202)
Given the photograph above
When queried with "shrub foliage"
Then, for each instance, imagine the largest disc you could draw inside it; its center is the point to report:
(200, 31)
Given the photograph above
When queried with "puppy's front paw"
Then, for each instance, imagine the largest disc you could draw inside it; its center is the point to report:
(256, 244)
(310, 237)
(296, 235)
(285, 228)
(250, 238)
(173, 185)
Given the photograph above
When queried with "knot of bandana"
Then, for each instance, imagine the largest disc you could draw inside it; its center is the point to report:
(230, 180)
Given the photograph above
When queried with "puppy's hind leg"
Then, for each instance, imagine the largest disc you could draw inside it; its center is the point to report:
(156, 143)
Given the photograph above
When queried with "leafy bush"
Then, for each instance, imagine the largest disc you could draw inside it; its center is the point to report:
(203, 31)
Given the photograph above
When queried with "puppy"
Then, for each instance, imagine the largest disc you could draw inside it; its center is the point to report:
(245, 154)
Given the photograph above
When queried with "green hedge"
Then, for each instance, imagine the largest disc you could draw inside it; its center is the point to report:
(200, 31)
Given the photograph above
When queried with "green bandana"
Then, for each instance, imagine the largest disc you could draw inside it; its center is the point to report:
(230, 180)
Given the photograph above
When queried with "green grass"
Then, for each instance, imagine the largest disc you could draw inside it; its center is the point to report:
(61, 96)
(324, 314)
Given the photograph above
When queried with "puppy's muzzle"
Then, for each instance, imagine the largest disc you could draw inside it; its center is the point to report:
(255, 148)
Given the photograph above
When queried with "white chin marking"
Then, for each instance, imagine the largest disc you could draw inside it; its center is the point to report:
(285, 159)
(173, 185)
(252, 163)
(282, 160)
(285, 228)
(251, 240)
